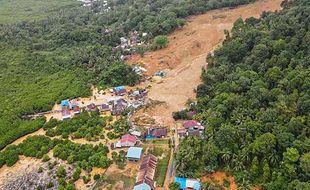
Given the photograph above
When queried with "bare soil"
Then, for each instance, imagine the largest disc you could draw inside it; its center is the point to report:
(183, 58)
(186, 54)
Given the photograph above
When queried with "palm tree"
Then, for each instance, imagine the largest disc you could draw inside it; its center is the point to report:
(245, 184)
(226, 155)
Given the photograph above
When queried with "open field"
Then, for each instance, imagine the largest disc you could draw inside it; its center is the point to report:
(24, 10)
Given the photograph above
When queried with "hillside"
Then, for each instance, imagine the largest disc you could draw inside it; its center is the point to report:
(254, 102)
(62, 55)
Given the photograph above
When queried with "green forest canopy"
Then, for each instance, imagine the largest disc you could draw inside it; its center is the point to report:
(255, 104)
(60, 56)
(24, 10)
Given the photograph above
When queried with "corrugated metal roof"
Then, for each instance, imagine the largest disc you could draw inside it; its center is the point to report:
(134, 152)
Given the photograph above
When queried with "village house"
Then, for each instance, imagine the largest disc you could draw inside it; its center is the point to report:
(91, 107)
(146, 174)
(73, 103)
(104, 107)
(156, 133)
(119, 106)
(65, 112)
(127, 141)
(120, 91)
(134, 153)
(191, 128)
(77, 110)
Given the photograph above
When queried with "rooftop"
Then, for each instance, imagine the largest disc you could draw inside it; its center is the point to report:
(134, 152)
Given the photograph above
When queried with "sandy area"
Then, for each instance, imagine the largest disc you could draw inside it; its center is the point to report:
(186, 55)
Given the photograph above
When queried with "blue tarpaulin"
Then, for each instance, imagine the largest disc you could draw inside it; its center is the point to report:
(64, 103)
(119, 88)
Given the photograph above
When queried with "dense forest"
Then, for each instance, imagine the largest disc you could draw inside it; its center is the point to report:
(255, 104)
(62, 55)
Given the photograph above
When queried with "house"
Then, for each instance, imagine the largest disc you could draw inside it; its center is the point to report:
(73, 103)
(65, 112)
(127, 141)
(134, 153)
(105, 107)
(182, 133)
(186, 183)
(156, 133)
(64, 103)
(77, 110)
(146, 173)
(119, 106)
(192, 125)
(135, 132)
(120, 90)
(91, 107)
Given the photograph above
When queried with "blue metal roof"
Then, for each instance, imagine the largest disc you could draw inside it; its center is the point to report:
(119, 88)
(142, 186)
(134, 152)
(64, 103)
(184, 183)
(181, 181)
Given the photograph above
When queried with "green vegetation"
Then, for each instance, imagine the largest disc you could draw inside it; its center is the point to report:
(23, 10)
(254, 102)
(84, 156)
(61, 53)
(85, 125)
(162, 168)
(159, 42)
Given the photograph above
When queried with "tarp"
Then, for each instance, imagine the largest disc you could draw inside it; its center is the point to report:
(119, 88)
(64, 103)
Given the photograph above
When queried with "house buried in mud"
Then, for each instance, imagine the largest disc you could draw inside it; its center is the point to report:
(146, 174)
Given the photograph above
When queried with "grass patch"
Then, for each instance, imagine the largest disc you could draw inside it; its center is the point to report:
(158, 141)
(161, 169)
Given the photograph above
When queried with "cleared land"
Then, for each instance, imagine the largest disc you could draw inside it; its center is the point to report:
(186, 55)
(22, 10)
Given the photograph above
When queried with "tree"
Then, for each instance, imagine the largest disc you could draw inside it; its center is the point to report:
(160, 42)
(305, 162)
(255, 167)
(76, 174)
(266, 171)
(174, 186)
(61, 172)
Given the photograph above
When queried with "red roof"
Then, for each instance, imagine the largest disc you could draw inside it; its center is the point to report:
(190, 124)
(129, 138)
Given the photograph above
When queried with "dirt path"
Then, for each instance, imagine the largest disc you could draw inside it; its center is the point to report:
(186, 55)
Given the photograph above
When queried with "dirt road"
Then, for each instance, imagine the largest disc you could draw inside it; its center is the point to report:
(186, 55)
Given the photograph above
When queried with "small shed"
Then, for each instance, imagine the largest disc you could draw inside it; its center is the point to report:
(134, 153)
